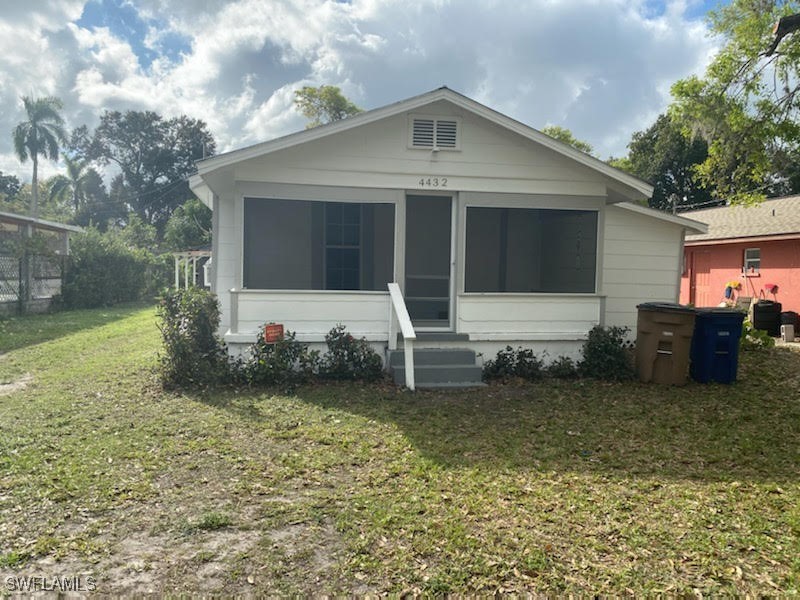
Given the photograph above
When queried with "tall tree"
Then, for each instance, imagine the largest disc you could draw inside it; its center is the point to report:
(189, 226)
(323, 104)
(71, 187)
(668, 159)
(41, 134)
(562, 134)
(155, 157)
(747, 107)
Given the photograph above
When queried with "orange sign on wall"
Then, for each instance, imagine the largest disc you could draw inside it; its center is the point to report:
(273, 332)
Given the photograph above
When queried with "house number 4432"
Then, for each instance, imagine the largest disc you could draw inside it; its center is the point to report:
(433, 182)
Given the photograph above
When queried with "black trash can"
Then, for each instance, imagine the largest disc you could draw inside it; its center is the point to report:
(715, 345)
(767, 317)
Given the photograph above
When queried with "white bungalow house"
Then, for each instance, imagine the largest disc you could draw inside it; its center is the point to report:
(493, 233)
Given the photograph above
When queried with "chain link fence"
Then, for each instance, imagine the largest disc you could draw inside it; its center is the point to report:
(46, 274)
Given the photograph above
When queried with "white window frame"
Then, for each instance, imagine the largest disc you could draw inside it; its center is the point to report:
(435, 119)
(751, 263)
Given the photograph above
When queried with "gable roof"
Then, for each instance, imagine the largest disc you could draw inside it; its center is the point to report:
(219, 161)
(774, 217)
(7, 217)
(689, 225)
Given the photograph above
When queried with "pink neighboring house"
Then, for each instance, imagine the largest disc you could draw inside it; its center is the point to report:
(758, 246)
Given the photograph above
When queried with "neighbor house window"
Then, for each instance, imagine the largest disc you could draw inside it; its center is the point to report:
(311, 245)
(530, 250)
(752, 261)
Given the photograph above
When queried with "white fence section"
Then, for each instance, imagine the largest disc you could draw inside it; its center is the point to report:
(399, 311)
(187, 266)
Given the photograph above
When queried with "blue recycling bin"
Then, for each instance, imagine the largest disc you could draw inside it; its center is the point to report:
(715, 345)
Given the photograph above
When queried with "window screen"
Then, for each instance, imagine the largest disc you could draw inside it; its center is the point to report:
(530, 250)
(310, 245)
(752, 260)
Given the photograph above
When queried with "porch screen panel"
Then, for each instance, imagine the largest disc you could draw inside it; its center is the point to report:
(530, 250)
(312, 245)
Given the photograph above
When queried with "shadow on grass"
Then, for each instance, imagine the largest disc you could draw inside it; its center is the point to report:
(747, 431)
(27, 330)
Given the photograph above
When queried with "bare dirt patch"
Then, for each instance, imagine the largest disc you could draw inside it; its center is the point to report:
(15, 386)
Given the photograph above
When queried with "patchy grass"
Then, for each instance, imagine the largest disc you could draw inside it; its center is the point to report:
(559, 486)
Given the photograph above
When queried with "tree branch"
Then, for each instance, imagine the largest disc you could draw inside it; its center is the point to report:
(783, 27)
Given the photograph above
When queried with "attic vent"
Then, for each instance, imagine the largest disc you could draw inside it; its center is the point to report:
(429, 132)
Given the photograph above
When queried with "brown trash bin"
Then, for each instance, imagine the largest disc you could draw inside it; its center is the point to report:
(664, 342)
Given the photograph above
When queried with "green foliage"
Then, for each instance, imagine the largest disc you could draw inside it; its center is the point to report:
(9, 186)
(666, 157)
(509, 363)
(747, 106)
(102, 270)
(286, 362)
(605, 355)
(563, 368)
(155, 157)
(194, 357)
(562, 134)
(754, 339)
(189, 226)
(40, 135)
(323, 104)
(349, 358)
(137, 233)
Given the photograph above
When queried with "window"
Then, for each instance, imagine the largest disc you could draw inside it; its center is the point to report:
(342, 246)
(311, 245)
(530, 250)
(752, 261)
(433, 132)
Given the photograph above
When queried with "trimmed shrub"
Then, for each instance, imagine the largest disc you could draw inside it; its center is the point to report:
(102, 270)
(349, 358)
(510, 363)
(194, 356)
(605, 355)
(285, 362)
(563, 368)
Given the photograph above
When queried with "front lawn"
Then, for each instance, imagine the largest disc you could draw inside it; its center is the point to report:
(553, 487)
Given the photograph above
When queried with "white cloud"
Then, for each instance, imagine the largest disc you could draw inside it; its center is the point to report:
(602, 68)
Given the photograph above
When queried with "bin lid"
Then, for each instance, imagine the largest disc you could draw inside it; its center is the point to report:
(665, 307)
(721, 310)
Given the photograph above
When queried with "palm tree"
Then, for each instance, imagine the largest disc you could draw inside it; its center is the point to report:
(71, 186)
(40, 134)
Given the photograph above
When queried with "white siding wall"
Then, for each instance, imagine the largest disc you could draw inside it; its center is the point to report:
(641, 263)
(312, 314)
(522, 317)
(491, 159)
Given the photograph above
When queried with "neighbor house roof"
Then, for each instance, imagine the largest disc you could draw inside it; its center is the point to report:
(7, 217)
(777, 217)
(229, 158)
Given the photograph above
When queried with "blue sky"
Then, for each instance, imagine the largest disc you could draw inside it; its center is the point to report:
(602, 68)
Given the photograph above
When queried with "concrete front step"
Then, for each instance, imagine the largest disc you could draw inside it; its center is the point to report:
(437, 367)
(434, 356)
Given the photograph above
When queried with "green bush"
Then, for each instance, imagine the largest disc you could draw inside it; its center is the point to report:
(510, 363)
(285, 362)
(605, 355)
(194, 356)
(102, 271)
(349, 358)
(563, 368)
(754, 339)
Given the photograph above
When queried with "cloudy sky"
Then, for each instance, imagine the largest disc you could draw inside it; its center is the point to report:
(602, 68)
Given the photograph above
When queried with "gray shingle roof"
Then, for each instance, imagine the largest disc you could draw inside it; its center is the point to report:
(778, 216)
